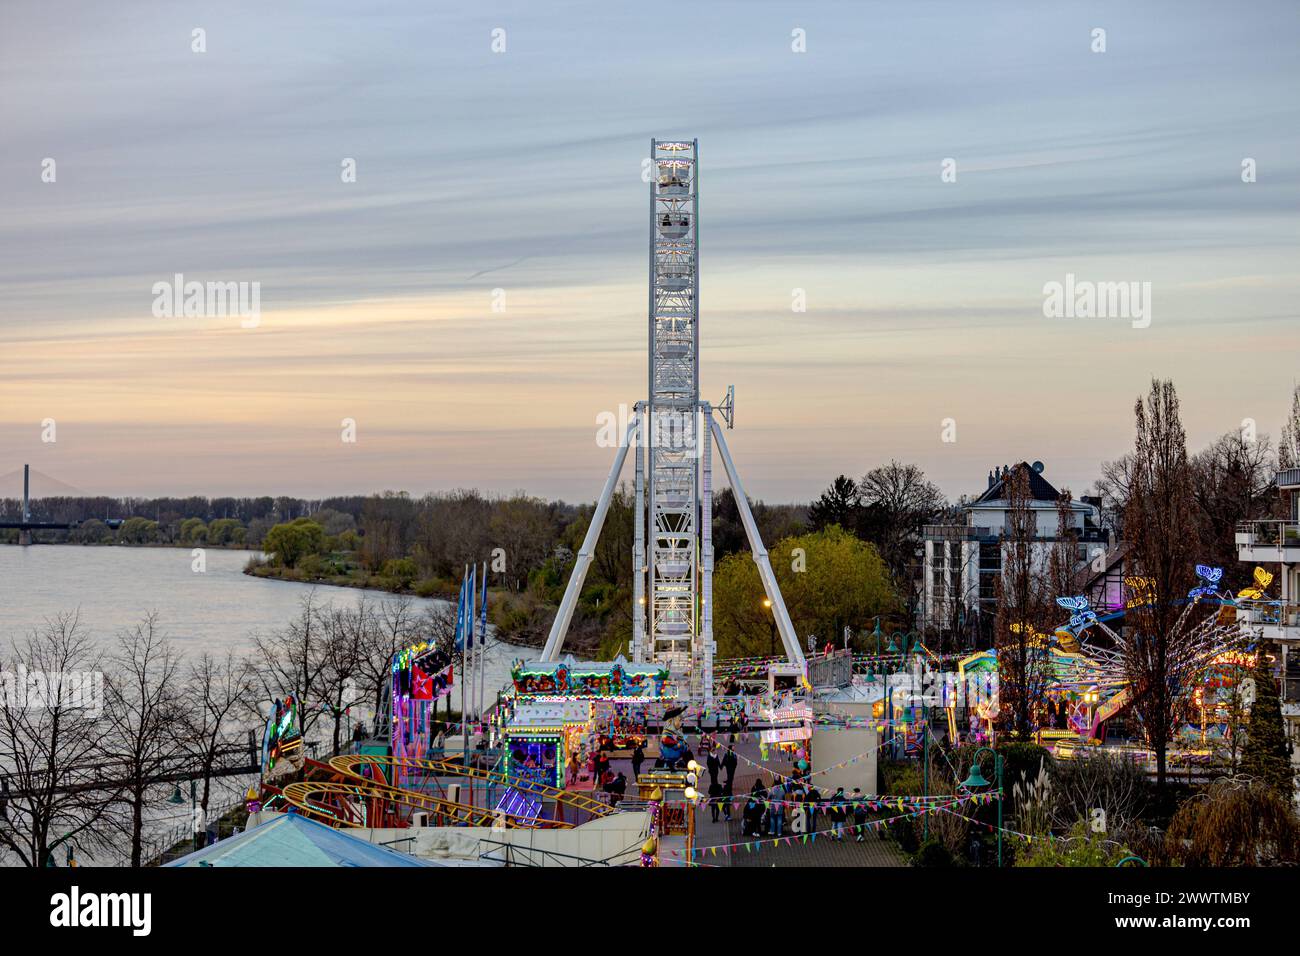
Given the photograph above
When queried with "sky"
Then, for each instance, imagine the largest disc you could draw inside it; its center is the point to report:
(520, 171)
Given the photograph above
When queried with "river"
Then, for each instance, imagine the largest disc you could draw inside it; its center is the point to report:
(216, 610)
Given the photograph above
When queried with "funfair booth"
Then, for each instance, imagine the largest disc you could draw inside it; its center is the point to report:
(563, 713)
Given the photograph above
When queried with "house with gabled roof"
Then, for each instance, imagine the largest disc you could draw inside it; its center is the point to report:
(963, 558)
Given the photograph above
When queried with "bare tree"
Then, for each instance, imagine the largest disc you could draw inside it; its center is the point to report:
(1164, 542)
(294, 661)
(345, 641)
(50, 744)
(389, 626)
(144, 718)
(1111, 782)
(1063, 561)
(1232, 481)
(897, 500)
(1288, 447)
(218, 692)
(1022, 614)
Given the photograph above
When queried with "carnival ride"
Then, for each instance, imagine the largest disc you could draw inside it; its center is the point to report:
(1086, 679)
(673, 432)
(365, 790)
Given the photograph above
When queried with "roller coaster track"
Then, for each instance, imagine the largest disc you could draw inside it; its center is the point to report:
(362, 796)
(359, 803)
(351, 765)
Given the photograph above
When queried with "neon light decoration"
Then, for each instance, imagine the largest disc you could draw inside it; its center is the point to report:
(421, 676)
(605, 680)
(1211, 577)
(519, 804)
(282, 741)
(534, 758)
(1255, 591)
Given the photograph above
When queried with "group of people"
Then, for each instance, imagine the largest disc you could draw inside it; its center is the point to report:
(791, 806)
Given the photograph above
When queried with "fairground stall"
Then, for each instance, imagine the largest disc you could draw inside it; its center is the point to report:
(421, 675)
(564, 716)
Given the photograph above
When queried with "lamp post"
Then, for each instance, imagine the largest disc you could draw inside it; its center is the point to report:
(771, 652)
(976, 780)
(177, 799)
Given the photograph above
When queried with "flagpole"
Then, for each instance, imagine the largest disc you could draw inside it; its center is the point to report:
(482, 650)
(469, 631)
(464, 661)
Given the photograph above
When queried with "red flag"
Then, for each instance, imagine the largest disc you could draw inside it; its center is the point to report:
(421, 684)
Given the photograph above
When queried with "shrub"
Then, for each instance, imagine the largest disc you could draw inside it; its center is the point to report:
(1081, 847)
(933, 853)
(401, 570)
(1236, 821)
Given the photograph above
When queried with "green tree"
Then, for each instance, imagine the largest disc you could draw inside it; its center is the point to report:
(223, 531)
(289, 542)
(138, 531)
(1267, 756)
(401, 570)
(194, 531)
(840, 504)
(829, 579)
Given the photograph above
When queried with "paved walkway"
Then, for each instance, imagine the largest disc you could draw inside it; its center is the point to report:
(822, 851)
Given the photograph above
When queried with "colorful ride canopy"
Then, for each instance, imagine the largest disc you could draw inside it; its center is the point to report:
(592, 680)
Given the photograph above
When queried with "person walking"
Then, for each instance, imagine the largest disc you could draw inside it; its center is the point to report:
(638, 758)
(726, 800)
(713, 767)
(729, 763)
(776, 818)
(814, 808)
(838, 814)
(859, 813)
(715, 799)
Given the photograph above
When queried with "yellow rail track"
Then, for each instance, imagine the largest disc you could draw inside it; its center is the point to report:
(350, 764)
(344, 804)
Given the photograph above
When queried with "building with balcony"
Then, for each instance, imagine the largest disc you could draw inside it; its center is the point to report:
(1274, 616)
(963, 559)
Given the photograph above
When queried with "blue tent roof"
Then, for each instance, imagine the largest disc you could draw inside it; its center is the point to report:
(294, 840)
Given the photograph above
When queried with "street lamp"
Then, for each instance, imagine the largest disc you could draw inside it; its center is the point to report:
(976, 781)
(767, 604)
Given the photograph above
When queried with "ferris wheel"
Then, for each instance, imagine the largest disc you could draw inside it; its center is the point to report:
(668, 448)
(674, 434)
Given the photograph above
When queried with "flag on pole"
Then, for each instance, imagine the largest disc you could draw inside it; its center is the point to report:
(460, 616)
(483, 610)
(469, 608)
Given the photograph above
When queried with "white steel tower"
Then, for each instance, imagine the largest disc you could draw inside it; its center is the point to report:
(673, 432)
(671, 440)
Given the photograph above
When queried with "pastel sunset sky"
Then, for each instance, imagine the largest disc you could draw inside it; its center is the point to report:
(521, 171)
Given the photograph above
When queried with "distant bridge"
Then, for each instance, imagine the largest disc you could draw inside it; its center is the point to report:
(26, 526)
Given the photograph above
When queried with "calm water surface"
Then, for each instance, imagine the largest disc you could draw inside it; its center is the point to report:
(219, 609)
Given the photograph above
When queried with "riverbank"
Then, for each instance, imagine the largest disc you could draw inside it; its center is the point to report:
(517, 619)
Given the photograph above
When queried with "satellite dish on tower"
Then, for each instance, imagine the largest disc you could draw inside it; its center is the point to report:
(1038, 467)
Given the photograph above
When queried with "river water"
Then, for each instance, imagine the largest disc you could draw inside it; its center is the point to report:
(218, 609)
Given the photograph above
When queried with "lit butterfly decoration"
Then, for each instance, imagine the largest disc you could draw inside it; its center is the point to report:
(1256, 591)
(1211, 577)
(1083, 616)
